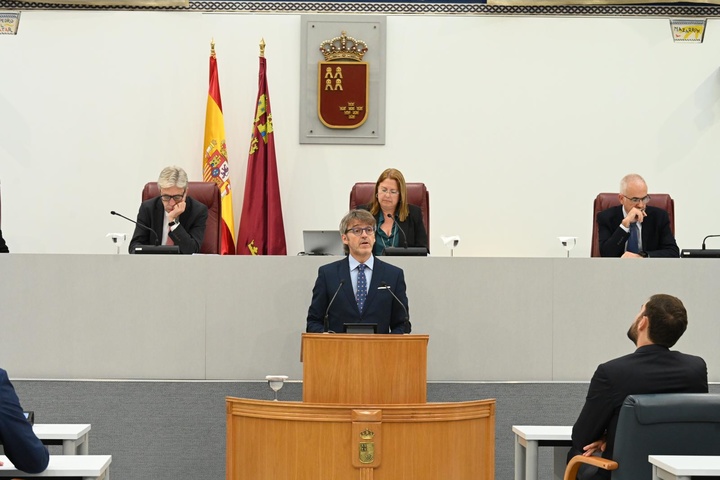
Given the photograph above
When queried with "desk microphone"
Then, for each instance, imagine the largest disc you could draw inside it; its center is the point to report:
(385, 286)
(397, 222)
(709, 236)
(326, 322)
(157, 240)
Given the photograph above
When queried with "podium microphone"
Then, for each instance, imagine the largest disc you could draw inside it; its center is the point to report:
(326, 322)
(397, 222)
(385, 286)
(709, 236)
(157, 240)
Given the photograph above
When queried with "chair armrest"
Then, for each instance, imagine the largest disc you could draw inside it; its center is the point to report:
(574, 465)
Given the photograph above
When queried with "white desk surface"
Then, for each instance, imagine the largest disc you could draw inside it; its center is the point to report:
(61, 431)
(543, 432)
(63, 466)
(687, 465)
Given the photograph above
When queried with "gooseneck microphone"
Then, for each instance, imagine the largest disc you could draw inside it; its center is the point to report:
(709, 236)
(385, 286)
(326, 322)
(397, 222)
(157, 240)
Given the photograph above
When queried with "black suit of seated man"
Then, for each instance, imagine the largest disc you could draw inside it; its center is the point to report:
(21, 445)
(3, 245)
(615, 225)
(175, 218)
(652, 368)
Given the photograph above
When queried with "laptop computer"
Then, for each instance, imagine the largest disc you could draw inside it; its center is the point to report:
(322, 242)
(699, 253)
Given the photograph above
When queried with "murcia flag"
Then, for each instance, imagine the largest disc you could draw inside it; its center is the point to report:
(261, 223)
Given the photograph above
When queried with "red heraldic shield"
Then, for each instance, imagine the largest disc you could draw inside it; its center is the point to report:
(343, 94)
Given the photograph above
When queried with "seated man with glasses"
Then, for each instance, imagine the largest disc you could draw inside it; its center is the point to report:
(634, 229)
(360, 288)
(173, 218)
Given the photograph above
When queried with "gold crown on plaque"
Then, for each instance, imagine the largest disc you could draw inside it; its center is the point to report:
(343, 48)
(367, 434)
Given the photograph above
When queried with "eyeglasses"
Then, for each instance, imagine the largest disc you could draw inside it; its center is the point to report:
(645, 199)
(359, 230)
(385, 191)
(176, 198)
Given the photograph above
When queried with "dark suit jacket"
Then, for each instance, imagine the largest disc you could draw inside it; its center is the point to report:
(3, 245)
(657, 238)
(380, 306)
(650, 369)
(413, 227)
(22, 447)
(188, 236)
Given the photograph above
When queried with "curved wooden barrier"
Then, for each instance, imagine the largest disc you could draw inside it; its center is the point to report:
(302, 441)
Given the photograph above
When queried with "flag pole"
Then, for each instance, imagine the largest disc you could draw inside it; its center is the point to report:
(262, 47)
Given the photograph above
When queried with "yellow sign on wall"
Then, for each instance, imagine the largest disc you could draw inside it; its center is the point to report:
(9, 23)
(688, 31)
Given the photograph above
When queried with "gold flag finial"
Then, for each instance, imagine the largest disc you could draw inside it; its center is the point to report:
(212, 48)
(262, 47)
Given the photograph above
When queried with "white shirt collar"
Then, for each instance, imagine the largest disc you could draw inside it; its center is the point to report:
(354, 263)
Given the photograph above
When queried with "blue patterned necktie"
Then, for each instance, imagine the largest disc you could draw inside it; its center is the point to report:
(633, 244)
(361, 287)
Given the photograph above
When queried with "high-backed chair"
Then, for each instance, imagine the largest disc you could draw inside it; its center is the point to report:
(607, 200)
(658, 424)
(207, 193)
(362, 194)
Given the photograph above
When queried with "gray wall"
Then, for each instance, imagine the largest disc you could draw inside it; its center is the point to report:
(240, 318)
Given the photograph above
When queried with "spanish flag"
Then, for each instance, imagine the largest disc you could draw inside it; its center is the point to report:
(261, 223)
(215, 163)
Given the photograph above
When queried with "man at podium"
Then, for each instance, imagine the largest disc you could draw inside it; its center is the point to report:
(359, 289)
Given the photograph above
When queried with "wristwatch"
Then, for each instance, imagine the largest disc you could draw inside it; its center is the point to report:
(173, 223)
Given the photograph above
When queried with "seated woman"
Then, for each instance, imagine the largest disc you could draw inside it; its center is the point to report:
(390, 208)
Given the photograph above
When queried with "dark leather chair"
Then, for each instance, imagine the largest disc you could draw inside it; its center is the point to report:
(209, 194)
(362, 194)
(658, 424)
(607, 200)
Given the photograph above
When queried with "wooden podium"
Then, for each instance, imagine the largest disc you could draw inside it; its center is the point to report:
(364, 416)
(364, 369)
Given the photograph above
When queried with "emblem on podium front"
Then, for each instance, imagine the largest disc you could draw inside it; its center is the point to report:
(367, 446)
(343, 80)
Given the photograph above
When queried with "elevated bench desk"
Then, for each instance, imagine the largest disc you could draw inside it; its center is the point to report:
(72, 436)
(527, 440)
(682, 467)
(87, 467)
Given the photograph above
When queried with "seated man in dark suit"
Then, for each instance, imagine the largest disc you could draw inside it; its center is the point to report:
(652, 368)
(355, 289)
(21, 445)
(634, 229)
(174, 217)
